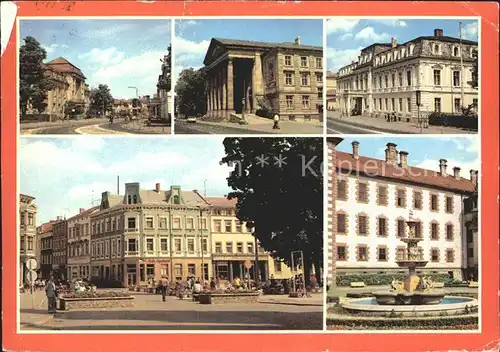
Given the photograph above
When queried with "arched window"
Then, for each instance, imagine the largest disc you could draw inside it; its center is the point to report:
(135, 199)
(129, 199)
(436, 49)
(455, 51)
(176, 199)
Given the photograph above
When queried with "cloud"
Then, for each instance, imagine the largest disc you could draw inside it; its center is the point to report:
(188, 54)
(392, 23)
(108, 32)
(346, 36)
(50, 49)
(103, 57)
(470, 31)
(335, 25)
(467, 144)
(340, 58)
(368, 34)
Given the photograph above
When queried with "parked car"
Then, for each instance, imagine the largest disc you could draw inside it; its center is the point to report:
(191, 119)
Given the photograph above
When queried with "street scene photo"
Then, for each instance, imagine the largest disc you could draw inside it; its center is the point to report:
(95, 76)
(171, 233)
(402, 76)
(403, 233)
(241, 76)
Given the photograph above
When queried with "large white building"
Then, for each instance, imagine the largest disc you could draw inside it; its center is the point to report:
(374, 199)
(387, 76)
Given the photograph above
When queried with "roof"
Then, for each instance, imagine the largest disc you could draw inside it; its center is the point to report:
(444, 38)
(331, 74)
(222, 202)
(257, 44)
(379, 168)
(62, 65)
(85, 213)
(47, 227)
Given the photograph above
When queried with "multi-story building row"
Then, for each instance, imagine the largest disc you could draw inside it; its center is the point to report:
(241, 74)
(332, 101)
(388, 77)
(27, 233)
(374, 199)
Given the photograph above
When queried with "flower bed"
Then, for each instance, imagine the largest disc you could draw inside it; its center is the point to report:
(86, 300)
(381, 279)
(221, 296)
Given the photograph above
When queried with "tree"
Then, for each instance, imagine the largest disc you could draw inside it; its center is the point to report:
(33, 82)
(165, 79)
(284, 200)
(475, 72)
(101, 99)
(190, 90)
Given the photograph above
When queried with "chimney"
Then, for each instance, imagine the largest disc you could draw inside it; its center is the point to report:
(473, 177)
(442, 166)
(394, 42)
(403, 159)
(391, 154)
(297, 40)
(82, 210)
(456, 172)
(355, 150)
(158, 188)
(438, 32)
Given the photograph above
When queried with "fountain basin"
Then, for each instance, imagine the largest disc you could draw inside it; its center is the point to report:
(413, 298)
(449, 305)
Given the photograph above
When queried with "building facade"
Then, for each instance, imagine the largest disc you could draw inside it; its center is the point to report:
(44, 239)
(27, 233)
(245, 75)
(59, 248)
(387, 76)
(332, 102)
(471, 240)
(78, 248)
(375, 198)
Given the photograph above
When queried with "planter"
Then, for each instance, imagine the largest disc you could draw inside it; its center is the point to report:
(220, 298)
(205, 299)
(95, 302)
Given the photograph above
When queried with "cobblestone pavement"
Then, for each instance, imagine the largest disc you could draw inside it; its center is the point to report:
(150, 313)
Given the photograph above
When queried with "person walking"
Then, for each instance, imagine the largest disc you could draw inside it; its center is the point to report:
(164, 287)
(276, 119)
(51, 293)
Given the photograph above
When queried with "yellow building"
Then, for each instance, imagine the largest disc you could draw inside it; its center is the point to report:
(331, 91)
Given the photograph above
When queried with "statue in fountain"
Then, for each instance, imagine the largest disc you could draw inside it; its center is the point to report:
(397, 285)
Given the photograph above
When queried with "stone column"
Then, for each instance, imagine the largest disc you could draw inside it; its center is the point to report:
(224, 88)
(369, 90)
(257, 79)
(209, 100)
(230, 85)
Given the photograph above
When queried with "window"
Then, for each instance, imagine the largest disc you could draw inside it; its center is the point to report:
(190, 223)
(239, 247)
(401, 228)
(178, 271)
(204, 245)
(417, 200)
(319, 62)
(450, 255)
(319, 77)
(437, 77)
(176, 223)
(436, 49)
(149, 222)
(449, 204)
(435, 255)
(164, 244)
(249, 247)
(362, 225)
(289, 101)
(21, 215)
(22, 243)
(190, 245)
(400, 78)
(131, 223)
(381, 195)
(150, 244)
(437, 104)
(382, 227)
(119, 247)
(228, 226)
(456, 105)
(270, 71)
(304, 79)
(401, 253)
(470, 252)
(434, 202)
(400, 105)
(386, 104)
(455, 51)
(162, 223)
(408, 104)
(288, 60)
(362, 192)
(341, 252)
(393, 80)
(178, 244)
(393, 106)
(449, 232)
(341, 223)
(239, 226)
(342, 189)
(191, 269)
(456, 78)
(218, 247)
(132, 245)
(386, 81)
(434, 231)
(382, 254)
(217, 225)
(408, 78)
(229, 247)
(135, 199)
(418, 229)
(362, 253)
(177, 200)
(204, 224)
(303, 61)
(401, 198)
(277, 265)
(30, 219)
(288, 78)
(305, 101)
(150, 269)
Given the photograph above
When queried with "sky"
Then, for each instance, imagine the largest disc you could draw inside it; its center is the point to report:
(118, 52)
(65, 174)
(192, 37)
(347, 36)
(424, 152)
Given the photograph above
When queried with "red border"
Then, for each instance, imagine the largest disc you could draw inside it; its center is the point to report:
(293, 342)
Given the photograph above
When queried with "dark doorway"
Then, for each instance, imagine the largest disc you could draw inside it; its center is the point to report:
(358, 106)
(242, 82)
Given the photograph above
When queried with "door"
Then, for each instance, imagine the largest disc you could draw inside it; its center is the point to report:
(131, 279)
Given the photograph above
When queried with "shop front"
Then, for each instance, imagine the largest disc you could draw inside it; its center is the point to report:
(228, 268)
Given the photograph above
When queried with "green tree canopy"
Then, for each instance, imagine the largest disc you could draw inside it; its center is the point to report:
(101, 99)
(284, 200)
(33, 82)
(190, 90)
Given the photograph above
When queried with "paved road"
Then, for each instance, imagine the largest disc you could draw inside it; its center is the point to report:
(334, 126)
(182, 127)
(90, 127)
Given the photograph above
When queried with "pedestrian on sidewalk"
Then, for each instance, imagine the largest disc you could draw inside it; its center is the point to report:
(164, 287)
(276, 120)
(51, 292)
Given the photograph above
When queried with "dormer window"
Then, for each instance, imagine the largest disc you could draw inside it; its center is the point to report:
(436, 49)
(135, 199)
(455, 51)
(176, 199)
(129, 199)
(412, 47)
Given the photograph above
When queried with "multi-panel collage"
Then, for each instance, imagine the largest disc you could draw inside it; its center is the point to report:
(231, 174)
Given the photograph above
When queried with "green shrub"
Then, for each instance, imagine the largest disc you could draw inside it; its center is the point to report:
(93, 294)
(381, 279)
(410, 323)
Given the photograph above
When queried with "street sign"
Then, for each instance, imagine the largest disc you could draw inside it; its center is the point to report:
(31, 276)
(248, 264)
(31, 264)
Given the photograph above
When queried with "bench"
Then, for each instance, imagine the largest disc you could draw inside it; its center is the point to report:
(438, 284)
(357, 284)
(473, 284)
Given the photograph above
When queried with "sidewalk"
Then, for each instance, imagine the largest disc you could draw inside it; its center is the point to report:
(289, 127)
(315, 300)
(397, 127)
(69, 123)
(37, 316)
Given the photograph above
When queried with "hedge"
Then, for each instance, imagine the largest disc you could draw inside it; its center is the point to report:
(454, 120)
(93, 294)
(469, 322)
(381, 279)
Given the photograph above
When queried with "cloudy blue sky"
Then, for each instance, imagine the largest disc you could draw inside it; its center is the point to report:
(65, 174)
(118, 52)
(347, 36)
(423, 152)
(192, 37)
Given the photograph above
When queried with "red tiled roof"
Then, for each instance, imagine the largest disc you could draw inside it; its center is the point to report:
(47, 227)
(62, 65)
(331, 74)
(84, 213)
(379, 168)
(222, 202)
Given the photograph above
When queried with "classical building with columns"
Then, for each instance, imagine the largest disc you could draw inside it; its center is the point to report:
(240, 74)
(27, 233)
(374, 199)
(387, 76)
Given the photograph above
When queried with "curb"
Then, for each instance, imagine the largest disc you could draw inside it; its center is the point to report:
(294, 304)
